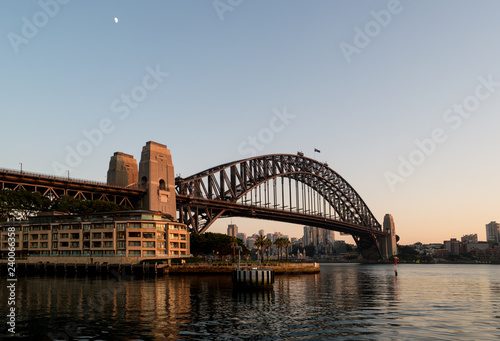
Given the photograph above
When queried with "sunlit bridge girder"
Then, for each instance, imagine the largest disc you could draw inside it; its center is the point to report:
(291, 188)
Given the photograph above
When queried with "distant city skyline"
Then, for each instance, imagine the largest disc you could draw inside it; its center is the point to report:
(401, 97)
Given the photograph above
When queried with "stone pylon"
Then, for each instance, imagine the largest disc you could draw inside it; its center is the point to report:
(156, 176)
(122, 170)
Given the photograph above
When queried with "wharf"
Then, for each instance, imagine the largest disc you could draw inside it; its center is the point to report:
(214, 269)
(128, 271)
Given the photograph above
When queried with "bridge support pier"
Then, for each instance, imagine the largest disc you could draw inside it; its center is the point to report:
(388, 246)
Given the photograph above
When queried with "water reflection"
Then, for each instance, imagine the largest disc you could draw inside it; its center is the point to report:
(343, 301)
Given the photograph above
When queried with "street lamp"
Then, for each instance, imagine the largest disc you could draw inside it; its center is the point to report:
(239, 255)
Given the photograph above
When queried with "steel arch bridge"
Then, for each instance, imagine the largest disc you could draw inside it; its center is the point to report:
(280, 187)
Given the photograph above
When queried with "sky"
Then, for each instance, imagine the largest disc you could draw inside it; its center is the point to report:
(400, 97)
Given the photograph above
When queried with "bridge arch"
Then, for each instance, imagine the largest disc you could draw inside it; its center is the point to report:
(313, 189)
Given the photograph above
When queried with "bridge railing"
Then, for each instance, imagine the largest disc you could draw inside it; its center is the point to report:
(63, 178)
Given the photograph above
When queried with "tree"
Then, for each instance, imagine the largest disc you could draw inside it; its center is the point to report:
(286, 244)
(279, 245)
(208, 243)
(268, 244)
(19, 205)
(260, 243)
(72, 205)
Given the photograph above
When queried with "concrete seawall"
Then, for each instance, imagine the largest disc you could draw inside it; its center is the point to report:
(208, 269)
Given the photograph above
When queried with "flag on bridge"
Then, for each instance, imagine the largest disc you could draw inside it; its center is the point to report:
(317, 150)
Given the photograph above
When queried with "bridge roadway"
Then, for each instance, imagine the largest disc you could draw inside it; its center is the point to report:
(220, 209)
(56, 186)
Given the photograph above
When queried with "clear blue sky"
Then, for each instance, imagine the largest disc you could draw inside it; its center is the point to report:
(362, 79)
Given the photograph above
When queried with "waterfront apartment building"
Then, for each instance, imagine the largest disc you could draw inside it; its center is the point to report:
(493, 232)
(140, 234)
(469, 238)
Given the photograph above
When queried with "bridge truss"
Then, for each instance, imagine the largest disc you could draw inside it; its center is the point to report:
(288, 188)
(55, 187)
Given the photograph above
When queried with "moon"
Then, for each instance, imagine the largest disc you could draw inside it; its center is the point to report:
(116, 20)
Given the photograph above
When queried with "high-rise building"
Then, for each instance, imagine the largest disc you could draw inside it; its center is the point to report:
(243, 237)
(469, 238)
(493, 232)
(250, 242)
(232, 230)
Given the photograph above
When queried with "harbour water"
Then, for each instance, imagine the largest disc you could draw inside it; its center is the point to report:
(344, 301)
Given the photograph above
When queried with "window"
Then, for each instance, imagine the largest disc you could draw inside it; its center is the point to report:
(64, 244)
(162, 185)
(183, 245)
(148, 235)
(34, 244)
(121, 235)
(160, 227)
(148, 225)
(108, 235)
(138, 243)
(134, 253)
(120, 245)
(144, 182)
(121, 227)
(149, 253)
(54, 236)
(109, 226)
(86, 227)
(134, 234)
(25, 237)
(97, 226)
(96, 235)
(174, 236)
(148, 244)
(174, 245)
(75, 244)
(135, 225)
(174, 253)
(96, 244)
(34, 237)
(183, 237)
(44, 245)
(160, 235)
(74, 236)
(65, 227)
(108, 244)
(64, 235)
